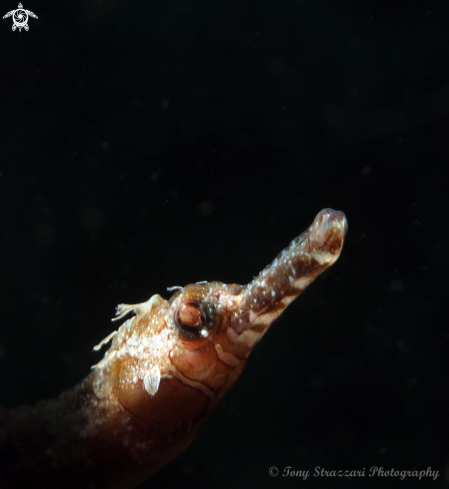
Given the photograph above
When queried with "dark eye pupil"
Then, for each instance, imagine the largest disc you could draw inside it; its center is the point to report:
(189, 315)
(195, 319)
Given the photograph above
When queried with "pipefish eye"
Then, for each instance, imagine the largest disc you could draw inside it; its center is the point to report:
(194, 319)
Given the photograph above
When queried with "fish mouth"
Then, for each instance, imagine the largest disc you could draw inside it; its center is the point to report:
(327, 230)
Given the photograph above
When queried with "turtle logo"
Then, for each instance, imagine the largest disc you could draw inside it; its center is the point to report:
(20, 18)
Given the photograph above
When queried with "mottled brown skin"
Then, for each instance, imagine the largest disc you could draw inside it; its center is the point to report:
(165, 372)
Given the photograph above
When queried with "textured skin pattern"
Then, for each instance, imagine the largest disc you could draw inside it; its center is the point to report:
(165, 372)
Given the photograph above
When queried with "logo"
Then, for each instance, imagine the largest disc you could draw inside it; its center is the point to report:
(20, 18)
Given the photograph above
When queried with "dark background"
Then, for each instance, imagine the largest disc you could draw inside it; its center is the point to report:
(151, 144)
